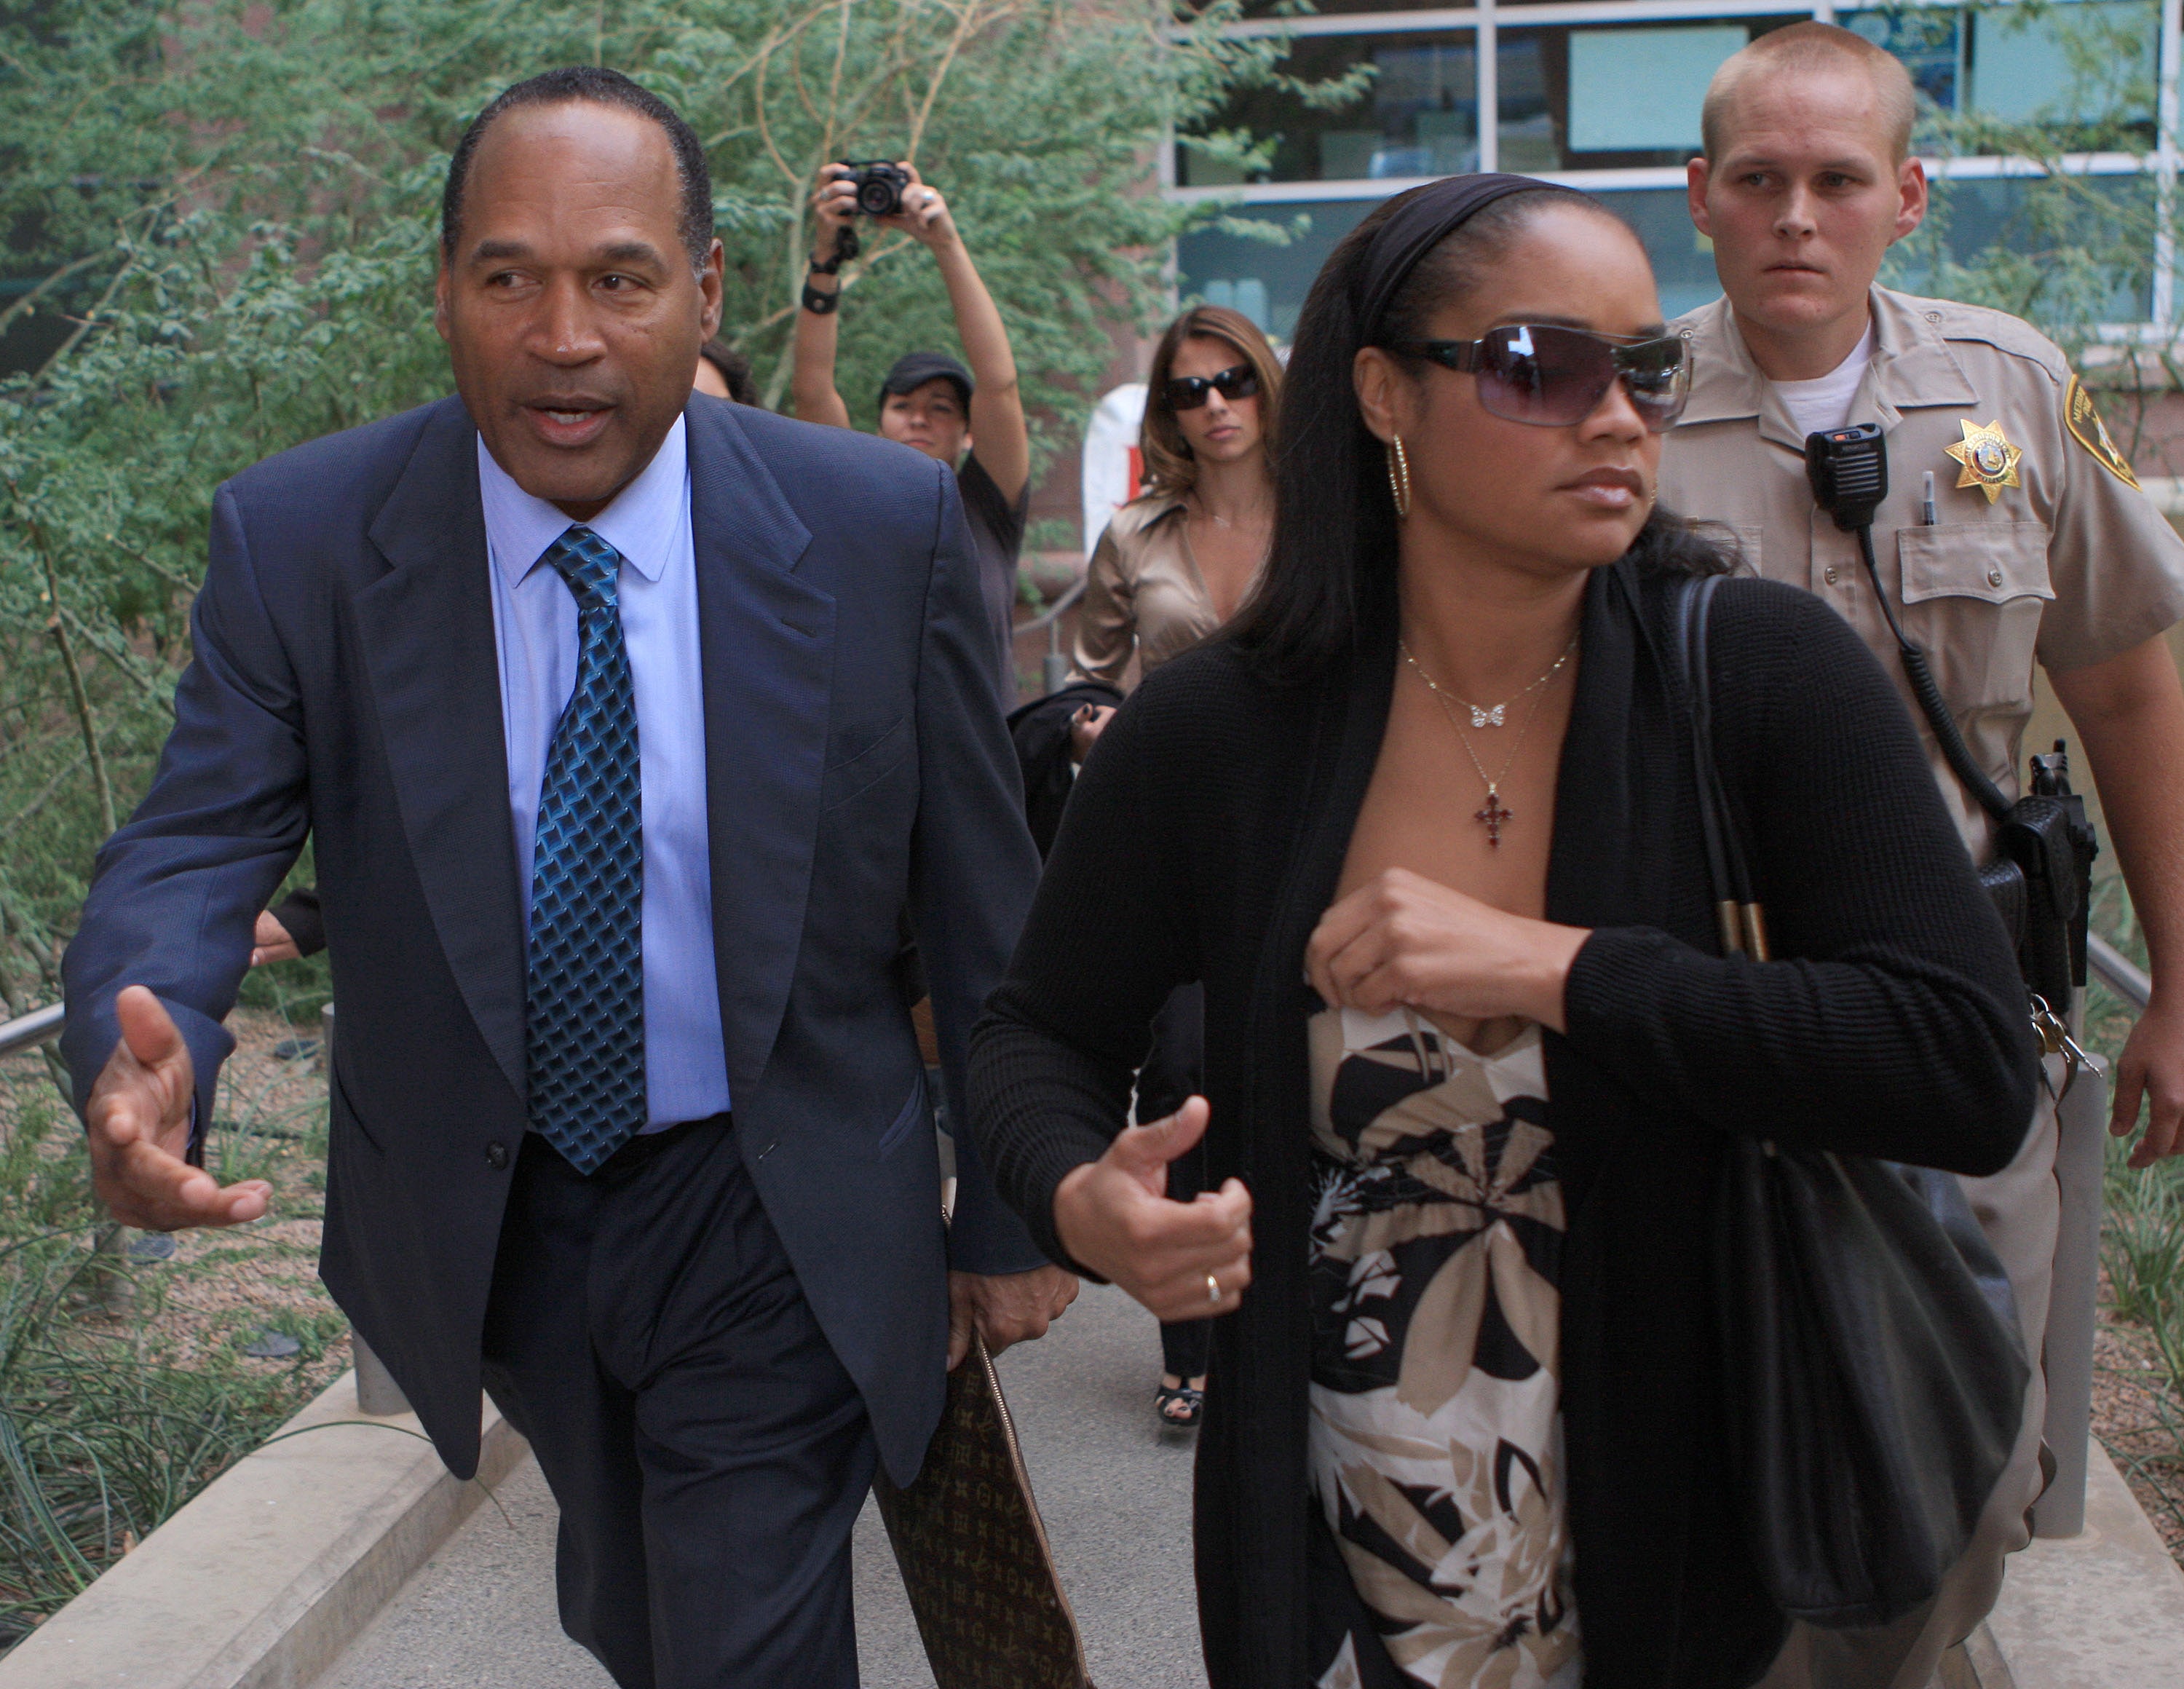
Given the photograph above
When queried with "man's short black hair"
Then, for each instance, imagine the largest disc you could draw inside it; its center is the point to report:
(602, 87)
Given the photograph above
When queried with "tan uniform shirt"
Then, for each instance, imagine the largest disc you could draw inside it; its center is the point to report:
(2068, 563)
(1143, 593)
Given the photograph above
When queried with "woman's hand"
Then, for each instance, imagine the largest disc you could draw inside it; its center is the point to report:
(924, 216)
(270, 941)
(1085, 728)
(1402, 940)
(1182, 1260)
(835, 204)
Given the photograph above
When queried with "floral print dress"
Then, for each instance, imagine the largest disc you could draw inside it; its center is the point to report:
(1436, 1454)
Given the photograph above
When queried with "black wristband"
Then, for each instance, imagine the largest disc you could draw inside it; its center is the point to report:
(819, 303)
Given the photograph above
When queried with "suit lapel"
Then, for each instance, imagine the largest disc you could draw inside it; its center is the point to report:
(766, 645)
(428, 638)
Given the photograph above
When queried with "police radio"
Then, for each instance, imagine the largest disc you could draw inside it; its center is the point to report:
(2040, 881)
(1848, 468)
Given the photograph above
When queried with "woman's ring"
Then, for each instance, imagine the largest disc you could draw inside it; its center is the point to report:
(1213, 1288)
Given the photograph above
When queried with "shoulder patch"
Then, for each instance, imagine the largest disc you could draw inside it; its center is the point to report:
(2084, 422)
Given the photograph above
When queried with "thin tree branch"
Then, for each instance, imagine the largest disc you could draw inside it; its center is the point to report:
(81, 699)
(89, 321)
(44, 797)
(23, 304)
(126, 664)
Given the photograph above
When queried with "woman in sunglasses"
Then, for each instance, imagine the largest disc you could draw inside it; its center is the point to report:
(1422, 822)
(1178, 560)
(1173, 565)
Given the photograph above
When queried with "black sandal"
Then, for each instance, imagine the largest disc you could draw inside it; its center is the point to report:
(1191, 1401)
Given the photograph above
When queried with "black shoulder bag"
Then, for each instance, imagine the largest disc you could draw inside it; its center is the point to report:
(1875, 1376)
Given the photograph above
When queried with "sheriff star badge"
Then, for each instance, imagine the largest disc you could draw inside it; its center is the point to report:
(1989, 460)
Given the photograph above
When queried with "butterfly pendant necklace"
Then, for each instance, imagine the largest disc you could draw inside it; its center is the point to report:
(1494, 814)
(1487, 714)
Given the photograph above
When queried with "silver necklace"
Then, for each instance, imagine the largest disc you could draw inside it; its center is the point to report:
(1206, 511)
(1494, 814)
(1487, 714)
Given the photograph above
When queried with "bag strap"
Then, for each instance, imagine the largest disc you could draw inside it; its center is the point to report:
(1738, 917)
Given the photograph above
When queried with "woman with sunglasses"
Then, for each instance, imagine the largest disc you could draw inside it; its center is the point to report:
(1174, 564)
(1423, 823)
(1178, 560)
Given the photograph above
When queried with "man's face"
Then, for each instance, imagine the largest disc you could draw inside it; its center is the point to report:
(571, 311)
(1804, 199)
(929, 418)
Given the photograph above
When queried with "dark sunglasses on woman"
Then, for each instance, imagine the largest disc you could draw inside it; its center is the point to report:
(1187, 392)
(1553, 377)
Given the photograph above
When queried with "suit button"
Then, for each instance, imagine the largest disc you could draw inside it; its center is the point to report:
(1994, 577)
(496, 1156)
(1830, 577)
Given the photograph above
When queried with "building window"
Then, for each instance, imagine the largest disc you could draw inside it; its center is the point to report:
(1608, 101)
(1610, 96)
(2031, 248)
(1267, 282)
(1418, 116)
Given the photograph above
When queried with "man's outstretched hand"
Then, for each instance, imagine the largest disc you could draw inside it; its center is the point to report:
(138, 1119)
(1008, 1307)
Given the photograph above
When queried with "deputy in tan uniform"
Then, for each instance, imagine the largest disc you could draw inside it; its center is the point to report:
(2037, 546)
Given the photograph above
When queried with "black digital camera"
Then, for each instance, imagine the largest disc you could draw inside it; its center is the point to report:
(879, 186)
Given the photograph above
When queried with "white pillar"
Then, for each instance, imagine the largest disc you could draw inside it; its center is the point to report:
(1490, 90)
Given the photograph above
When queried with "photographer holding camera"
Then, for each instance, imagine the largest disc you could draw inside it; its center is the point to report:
(929, 401)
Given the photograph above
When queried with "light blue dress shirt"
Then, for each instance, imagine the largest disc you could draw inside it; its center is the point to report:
(534, 625)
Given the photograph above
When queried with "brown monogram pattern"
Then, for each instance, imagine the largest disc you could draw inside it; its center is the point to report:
(974, 1554)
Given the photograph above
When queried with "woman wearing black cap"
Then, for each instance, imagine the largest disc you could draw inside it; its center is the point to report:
(1422, 822)
(929, 401)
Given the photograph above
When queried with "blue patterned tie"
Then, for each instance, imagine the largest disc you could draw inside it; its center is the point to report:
(584, 1012)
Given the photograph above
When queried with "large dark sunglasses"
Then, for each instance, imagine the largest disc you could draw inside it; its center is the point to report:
(1187, 392)
(1554, 377)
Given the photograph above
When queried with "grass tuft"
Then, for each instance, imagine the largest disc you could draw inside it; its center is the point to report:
(103, 1432)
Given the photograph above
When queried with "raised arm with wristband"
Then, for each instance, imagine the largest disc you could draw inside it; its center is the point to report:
(929, 401)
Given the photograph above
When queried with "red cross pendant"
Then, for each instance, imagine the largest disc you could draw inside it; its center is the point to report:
(1494, 814)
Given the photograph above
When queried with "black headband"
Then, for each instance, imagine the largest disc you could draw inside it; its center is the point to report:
(1420, 223)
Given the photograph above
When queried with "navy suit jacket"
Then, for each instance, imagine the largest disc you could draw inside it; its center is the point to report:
(344, 685)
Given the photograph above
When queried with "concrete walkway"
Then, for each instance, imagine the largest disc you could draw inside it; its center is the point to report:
(1115, 1496)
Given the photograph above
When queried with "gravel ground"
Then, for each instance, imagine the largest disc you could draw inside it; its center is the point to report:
(2139, 1420)
(220, 1290)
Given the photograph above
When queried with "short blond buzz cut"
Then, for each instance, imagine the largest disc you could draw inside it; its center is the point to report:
(1812, 47)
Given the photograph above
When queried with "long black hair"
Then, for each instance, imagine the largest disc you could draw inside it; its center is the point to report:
(1330, 577)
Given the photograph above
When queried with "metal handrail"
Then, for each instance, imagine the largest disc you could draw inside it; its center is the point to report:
(2109, 965)
(2116, 971)
(27, 1032)
(1054, 667)
(1055, 611)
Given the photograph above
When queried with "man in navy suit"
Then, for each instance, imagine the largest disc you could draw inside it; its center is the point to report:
(628, 725)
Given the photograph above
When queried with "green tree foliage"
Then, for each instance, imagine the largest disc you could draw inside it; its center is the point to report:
(220, 216)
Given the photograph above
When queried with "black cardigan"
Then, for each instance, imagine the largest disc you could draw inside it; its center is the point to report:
(1204, 837)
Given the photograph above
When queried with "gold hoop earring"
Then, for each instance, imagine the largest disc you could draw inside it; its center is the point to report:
(1399, 475)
